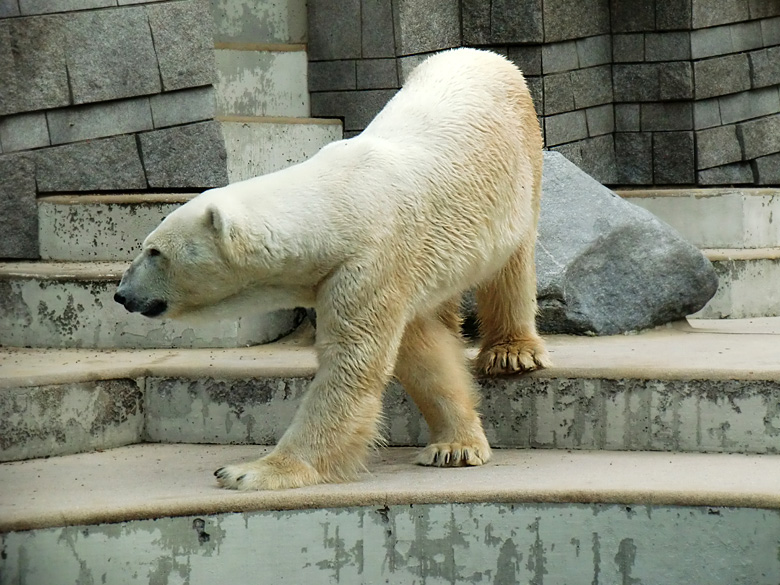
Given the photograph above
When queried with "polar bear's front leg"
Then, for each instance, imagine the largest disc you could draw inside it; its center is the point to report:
(337, 423)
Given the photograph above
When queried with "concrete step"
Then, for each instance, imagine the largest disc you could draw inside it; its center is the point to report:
(748, 283)
(152, 513)
(250, 21)
(262, 80)
(70, 304)
(707, 386)
(83, 228)
(716, 218)
(260, 145)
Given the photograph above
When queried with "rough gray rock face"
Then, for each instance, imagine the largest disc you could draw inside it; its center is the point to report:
(605, 266)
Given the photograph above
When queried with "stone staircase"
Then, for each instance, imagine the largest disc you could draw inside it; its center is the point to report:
(645, 459)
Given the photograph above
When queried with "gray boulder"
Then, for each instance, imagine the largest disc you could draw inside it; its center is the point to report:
(605, 266)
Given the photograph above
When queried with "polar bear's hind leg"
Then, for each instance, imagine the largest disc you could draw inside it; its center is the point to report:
(432, 369)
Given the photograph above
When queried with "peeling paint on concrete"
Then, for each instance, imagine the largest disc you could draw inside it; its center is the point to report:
(262, 83)
(54, 311)
(247, 21)
(657, 415)
(420, 544)
(46, 421)
(748, 288)
(258, 148)
(97, 231)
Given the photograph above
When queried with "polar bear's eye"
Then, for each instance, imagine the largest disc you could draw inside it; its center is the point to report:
(154, 252)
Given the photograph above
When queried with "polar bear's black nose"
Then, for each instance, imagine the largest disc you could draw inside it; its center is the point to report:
(119, 298)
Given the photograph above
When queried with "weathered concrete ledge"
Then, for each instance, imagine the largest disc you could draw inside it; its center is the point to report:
(711, 389)
(749, 280)
(70, 304)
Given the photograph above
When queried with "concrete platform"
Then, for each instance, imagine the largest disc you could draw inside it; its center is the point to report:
(152, 513)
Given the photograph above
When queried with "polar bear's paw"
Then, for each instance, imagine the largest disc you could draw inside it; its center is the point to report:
(268, 473)
(513, 357)
(455, 454)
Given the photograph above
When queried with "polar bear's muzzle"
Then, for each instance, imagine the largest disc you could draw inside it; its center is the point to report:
(135, 294)
(148, 308)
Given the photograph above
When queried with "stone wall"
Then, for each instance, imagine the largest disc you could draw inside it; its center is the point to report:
(102, 96)
(658, 92)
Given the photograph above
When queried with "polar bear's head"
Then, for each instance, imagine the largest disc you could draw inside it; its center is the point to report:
(191, 261)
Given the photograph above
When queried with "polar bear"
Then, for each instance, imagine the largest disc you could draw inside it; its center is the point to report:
(381, 233)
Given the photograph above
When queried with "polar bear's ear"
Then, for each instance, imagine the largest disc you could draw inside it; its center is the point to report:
(217, 221)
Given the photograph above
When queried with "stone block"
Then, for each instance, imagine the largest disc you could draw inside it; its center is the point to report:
(34, 73)
(605, 266)
(332, 28)
(746, 35)
(31, 7)
(710, 42)
(673, 158)
(184, 41)
(190, 156)
(566, 127)
(760, 137)
(673, 15)
(592, 86)
(668, 46)
(248, 21)
(733, 174)
(426, 25)
(571, 151)
(675, 81)
(357, 108)
(9, 8)
(23, 132)
(536, 90)
(377, 74)
(99, 120)
(528, 59)
(110, 55)
(106, 164)
(558, 93)
(377, 38)
(601, 120)
(598, 158)
(633, 16)
(18, 208)
(768, 169)
(706, 113)
(770, 31)
(763, 8)
(627, 117)
(634, 158)
(765, 66)
(595, 51)
(475, 19)
(717, 146)
(667, 116)
(749, 104)
(501, 21)
(575, 19)
(636, 82)
(408, 64)
(558, 57)
(183, 107)
(714, 12)
(332, 75)
(628, 48)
